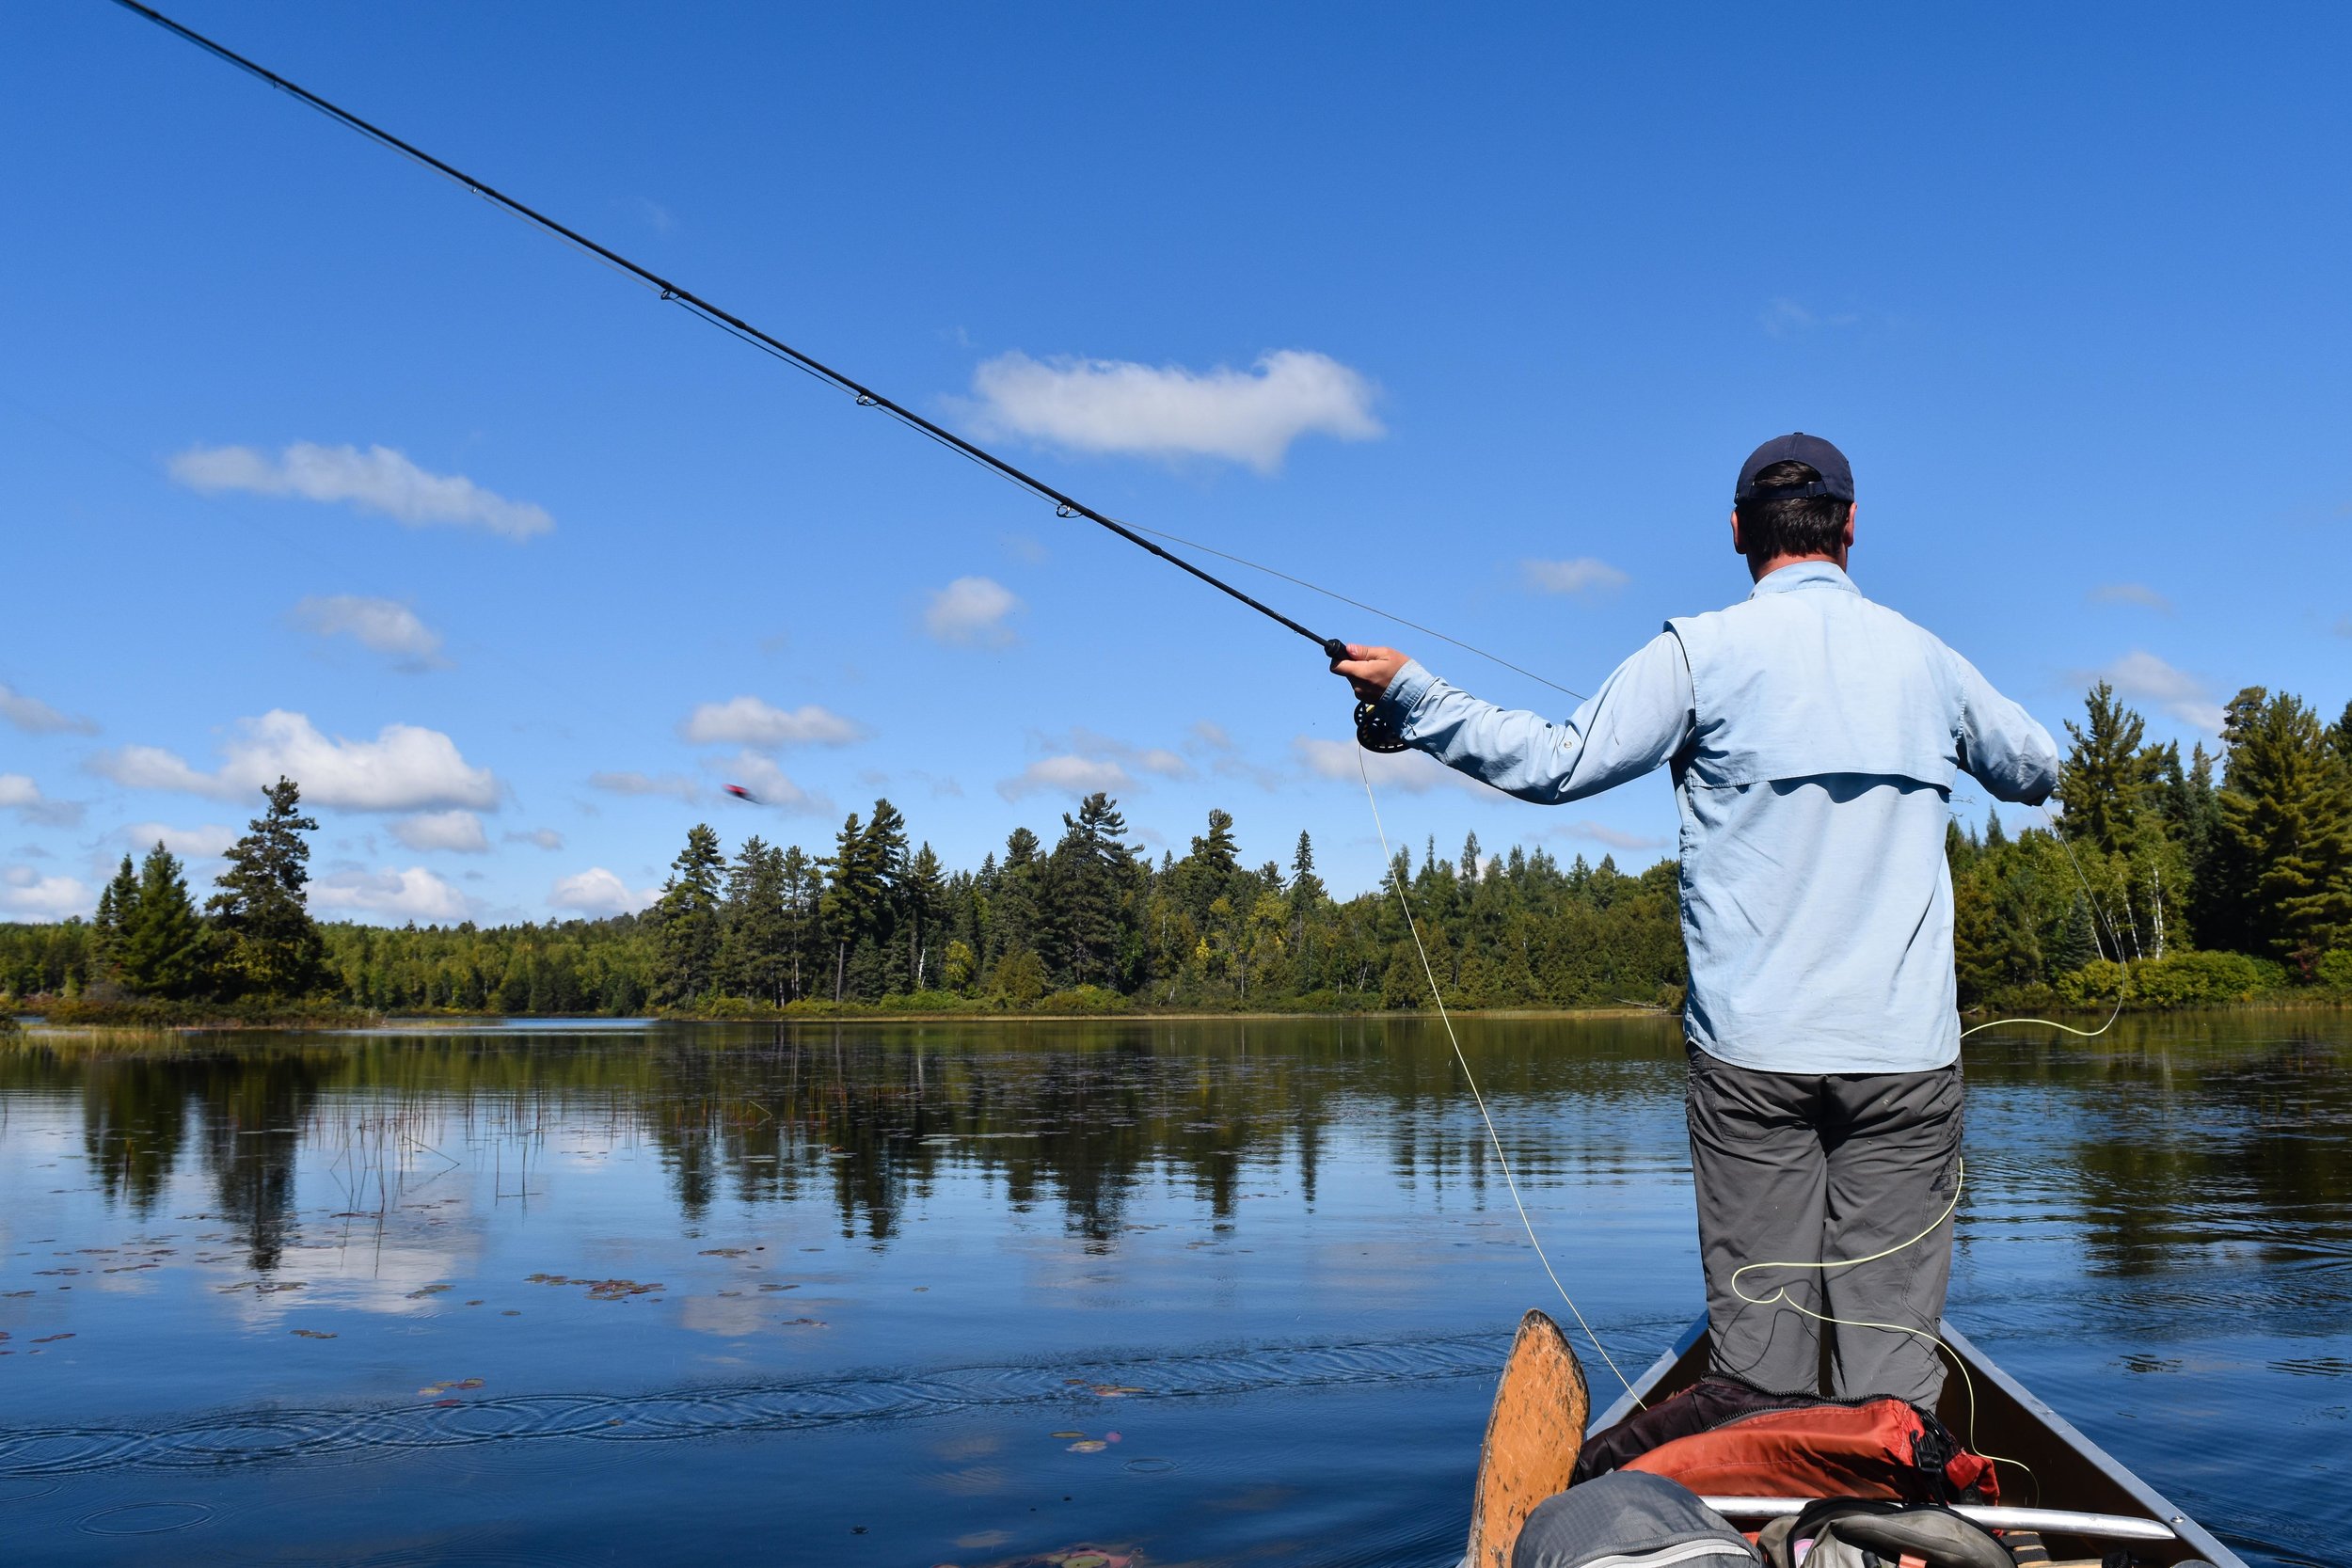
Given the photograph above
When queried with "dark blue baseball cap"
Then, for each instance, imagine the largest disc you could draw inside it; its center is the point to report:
(1796, 447)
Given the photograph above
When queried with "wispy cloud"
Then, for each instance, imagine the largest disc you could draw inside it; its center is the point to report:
(207, 839)
(1158, 761)
(35, 717)
(2132, 593)
(677, 784)
(1210, 740)
(1066, 775)
(1115, 405)
(381, 625)
(456, 832)
(1601, 834)
(404, 768)
(23, 796)
(1413, 772)
(27, 894)
(597, 892)
(1786, 317)
(1583, 576)
(541, 838)
(2143, 677)
(415, 893)
(749, 721)
(972, 611)
(378, 480)
(776, 788)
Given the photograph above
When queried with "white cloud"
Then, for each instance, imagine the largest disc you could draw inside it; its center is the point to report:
(544, 838)
(404, 768)
(377, 480)
(26, 891)
(1413, 772)
(597, 892)
(764, 778)
(1212, 735)
(1066, 775)
(383, 625)
(1157, 760)
(415, 893)
(749, 721)
(458, 832)
(632, 783)
(1114, 405)
(209, 839)
(35, 717)
(22, 795)
(2130, 592)
(972, 611)
(2143, 677)
(1583, 576)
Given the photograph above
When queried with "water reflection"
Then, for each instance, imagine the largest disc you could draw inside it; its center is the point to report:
(868, 1227)
(2171, 1134)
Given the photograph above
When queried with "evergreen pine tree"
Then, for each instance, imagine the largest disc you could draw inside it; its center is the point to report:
(160, 951)
(754, 949)
(118, 906)
(686, 922)
(273, 947)
(2106, 779)
(2076, 942)
(2286, 827)
(1094, 869)
(924, 896)
(1995, 837)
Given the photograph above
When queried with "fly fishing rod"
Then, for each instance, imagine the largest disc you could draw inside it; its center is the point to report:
(1370, 730)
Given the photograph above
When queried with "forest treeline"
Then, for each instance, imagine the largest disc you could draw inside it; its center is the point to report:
(2169, 881)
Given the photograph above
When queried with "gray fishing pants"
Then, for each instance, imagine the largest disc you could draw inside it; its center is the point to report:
(1815, 1169)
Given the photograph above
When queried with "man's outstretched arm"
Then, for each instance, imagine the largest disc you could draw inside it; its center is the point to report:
(2001, 745)
(1635, 723)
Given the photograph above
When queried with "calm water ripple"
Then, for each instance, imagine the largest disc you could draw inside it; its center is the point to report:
(891, 1294)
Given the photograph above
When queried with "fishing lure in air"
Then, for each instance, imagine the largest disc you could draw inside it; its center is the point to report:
(1371, 732)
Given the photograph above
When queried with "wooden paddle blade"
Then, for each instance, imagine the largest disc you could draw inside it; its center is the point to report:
(1532, 1436)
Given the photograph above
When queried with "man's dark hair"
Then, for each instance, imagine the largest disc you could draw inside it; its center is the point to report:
(1802, 525)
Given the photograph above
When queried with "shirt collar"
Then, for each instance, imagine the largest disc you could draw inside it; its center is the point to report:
(1804, 574)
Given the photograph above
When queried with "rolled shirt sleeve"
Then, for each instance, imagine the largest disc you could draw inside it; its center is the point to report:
(2002, 746)
(1638, 720)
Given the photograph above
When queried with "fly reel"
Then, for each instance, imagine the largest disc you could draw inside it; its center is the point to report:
(1376, 731)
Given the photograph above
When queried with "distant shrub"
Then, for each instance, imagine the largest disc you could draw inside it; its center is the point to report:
(2335, 969)
(2178, 980)
(1083, 999)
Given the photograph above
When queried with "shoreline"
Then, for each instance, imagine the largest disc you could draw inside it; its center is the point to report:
(28, 1024)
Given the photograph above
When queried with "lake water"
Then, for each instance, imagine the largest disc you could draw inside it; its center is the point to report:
(911, 1294)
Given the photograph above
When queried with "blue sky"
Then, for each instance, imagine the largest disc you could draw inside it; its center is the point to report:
(1467, 315)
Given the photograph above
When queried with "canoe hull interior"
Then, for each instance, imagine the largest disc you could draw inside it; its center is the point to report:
(2068, 1472)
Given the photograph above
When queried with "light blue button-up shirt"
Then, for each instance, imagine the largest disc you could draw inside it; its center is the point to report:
(1815, 737)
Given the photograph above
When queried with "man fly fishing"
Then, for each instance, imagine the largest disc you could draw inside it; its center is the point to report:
(1814, 738)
